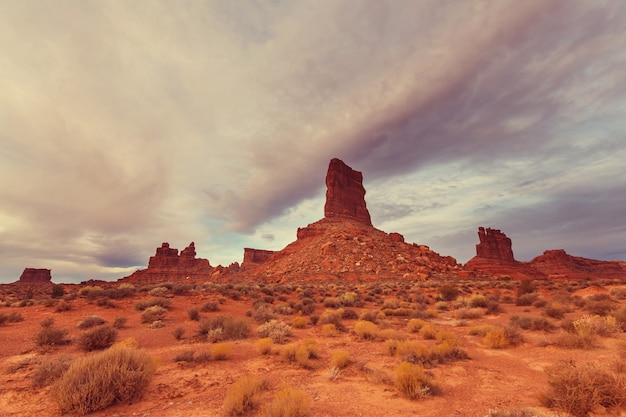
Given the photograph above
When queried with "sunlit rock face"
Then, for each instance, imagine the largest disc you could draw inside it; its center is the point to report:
(345, 194)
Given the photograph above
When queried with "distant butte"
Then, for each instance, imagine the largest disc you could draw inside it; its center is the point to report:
(345, 245)
(559, 264)
(35, 276)
(494, 258)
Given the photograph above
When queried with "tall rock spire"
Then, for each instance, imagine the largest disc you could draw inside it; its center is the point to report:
(345, 194)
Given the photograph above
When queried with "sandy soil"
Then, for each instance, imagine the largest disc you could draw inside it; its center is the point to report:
(510, 378)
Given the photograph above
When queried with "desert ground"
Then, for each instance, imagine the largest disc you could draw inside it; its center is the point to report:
(493, 347)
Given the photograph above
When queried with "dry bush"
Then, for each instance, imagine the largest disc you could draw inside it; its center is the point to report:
(581, 390)
(178, 332)
(620, 318)
(329, 330)
(48, 371)
(301, 353)
(340, 359)
(62, 306)
(152, 314)
(288, 402)
(223, 327)
(210, 306)
(366, 330)
(369, 315)
(221, 351)
(413, 381)
(120, 322)
(414, 325)
(97, 338)
(478, 300)
(496, 339)
(242, 395)
(532, 323)
(50, 335)
(185, 356)
(156, 301)
(263, 312)
(448, 292)
(386, 334)
(584, 332)
(481, 329)
(90, 321)
(117, 375)
(526, 299)
(469, 313)
(428, 331)
(618, 292)
(193, 313)
(299, 322)
(411, 351)
(277, 330)
(448, 350)
(332, 317)
(264, 345)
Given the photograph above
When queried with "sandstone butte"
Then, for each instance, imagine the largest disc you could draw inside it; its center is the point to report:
(35, 276)
(344, 245)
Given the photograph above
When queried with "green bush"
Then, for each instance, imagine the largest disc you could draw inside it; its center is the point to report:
(118, 375)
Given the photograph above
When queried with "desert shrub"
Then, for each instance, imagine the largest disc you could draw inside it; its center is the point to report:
(62, 306)
(496, 339)
(277, 330)
(366, 330)
(428, 331)
(448, 349)
(13, 317)
(116, 375)
(478, 300)
(120, 322)
(540, 302)
(583, 333)
(264, 345)
(90, 291)
(618, 292)
(193, 313)
(158, 291)
(414, 325)
(410, 351)
(57, 291)
(178, 332)
(156, 301)
(242, 396)
(90, 321)
(369, 315)
(556, 310)
(599, 306)
(332, 317)
(620, 318)
(581, 389)
(97, 338)
(469, 313)
(331, 302)
(185, 356)
(223, 327)
(221, 351)
(48, 371)
(299, 322)
(531, 323)
(210, 306)
(285, 310)
(448, 292)
(263, 312)
(49, 335)
(526, 299)
(349, 314)
(152, 314)
(481, 329)
(412, 381)
(340, 359)
(329, 330)
(288, 402)
(386, 334)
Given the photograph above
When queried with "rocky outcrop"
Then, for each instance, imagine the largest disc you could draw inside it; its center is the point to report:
(345, 194)
(167, 264)
(345, 245)
(255, 257)
(494, 245)
(494, 259)
(558, 264)
(35, 276)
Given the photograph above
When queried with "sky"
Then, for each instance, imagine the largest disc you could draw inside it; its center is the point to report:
(128, 123)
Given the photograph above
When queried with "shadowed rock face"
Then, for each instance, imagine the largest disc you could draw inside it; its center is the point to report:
(494, 245)
(345, 194)
(559, 264)
(254, 257)
(35, 276)
(168, 264)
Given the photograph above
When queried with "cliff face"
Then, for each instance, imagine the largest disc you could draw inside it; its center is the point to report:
(255, 257)
(345, 194)
(494, 258)
(167, 264)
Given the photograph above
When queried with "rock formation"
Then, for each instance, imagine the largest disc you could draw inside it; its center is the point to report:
(345, 194)
(255, 257)
(35, 276)
(494, 245)
(167, 264)
(345, 245)
(558, 264)
(494, 258)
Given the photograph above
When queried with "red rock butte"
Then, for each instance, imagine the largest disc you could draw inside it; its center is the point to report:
(35, 276)
(558, 264)
(345, 194)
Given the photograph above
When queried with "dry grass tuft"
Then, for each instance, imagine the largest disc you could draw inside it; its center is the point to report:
(242, 395)
(414, 382)
(288, 402)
